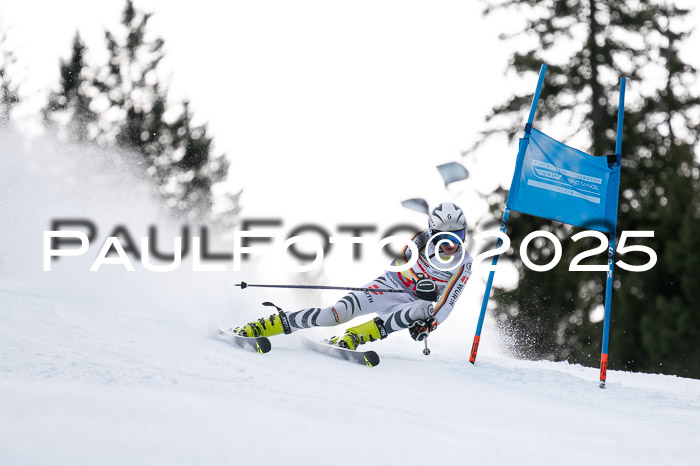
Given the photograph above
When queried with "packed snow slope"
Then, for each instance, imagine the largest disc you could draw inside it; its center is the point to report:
(82, 383)
(117, 368)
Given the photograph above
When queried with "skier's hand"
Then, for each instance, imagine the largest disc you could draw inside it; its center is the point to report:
(421, 328)
(426, 289)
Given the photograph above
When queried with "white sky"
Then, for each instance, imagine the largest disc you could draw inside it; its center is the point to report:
(332, 106)
(335, 104)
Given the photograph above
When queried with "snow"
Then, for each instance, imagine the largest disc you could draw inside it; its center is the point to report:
(121, 368)
(87, 384)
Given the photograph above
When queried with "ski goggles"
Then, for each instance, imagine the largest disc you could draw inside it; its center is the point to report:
(449, 236)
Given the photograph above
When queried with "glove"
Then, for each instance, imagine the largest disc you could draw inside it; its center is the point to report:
(421, 328)
(426, 289)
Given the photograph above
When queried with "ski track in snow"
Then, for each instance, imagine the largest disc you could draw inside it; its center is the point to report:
(81, 384)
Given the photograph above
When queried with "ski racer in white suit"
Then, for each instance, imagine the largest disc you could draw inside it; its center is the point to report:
(436, 280)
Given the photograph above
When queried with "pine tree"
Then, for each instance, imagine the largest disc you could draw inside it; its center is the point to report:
(9, 90)
(196, 170)
(138, 116)
(72, 103)
(135, 100)
(655, 322)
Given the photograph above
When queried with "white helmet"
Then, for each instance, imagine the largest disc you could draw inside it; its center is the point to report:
(447, 217)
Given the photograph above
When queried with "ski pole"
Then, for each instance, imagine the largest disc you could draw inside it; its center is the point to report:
(244, 285)
(426, 351)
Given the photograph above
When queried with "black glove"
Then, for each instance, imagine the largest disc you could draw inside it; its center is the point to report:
(426, 289)
(421, 328)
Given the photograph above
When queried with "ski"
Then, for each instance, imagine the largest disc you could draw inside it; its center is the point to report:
(257, 344)
(367, 358)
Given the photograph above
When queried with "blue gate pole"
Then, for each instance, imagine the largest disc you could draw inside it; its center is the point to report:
(506, 213)
(611, 247)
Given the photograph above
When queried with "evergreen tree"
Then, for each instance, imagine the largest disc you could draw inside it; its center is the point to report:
(9, 90)
(655, 323)
(72, 103)
(138, 116)
(135, 101)
(195, 169)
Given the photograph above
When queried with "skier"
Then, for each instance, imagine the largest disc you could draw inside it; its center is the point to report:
(440, 246)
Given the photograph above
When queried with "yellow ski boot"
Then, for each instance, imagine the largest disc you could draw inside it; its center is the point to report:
(361, 334)
(276, 324)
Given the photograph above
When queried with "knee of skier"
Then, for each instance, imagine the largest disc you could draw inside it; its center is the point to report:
(335, 315)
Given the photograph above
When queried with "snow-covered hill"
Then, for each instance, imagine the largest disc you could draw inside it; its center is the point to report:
(120, 368)
(82, 383)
